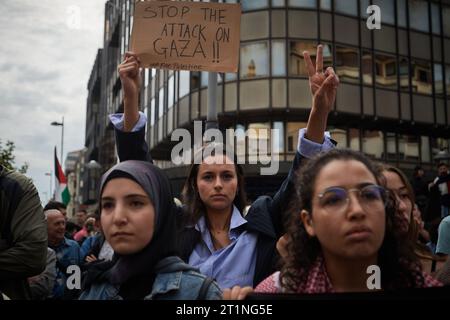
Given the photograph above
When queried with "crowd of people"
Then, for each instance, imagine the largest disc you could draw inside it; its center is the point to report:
(336, 213)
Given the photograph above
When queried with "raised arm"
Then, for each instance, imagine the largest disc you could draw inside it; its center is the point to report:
(129, 127)
(130, 78)
(312, 140)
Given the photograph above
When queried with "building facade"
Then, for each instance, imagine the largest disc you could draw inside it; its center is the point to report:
(393, 102)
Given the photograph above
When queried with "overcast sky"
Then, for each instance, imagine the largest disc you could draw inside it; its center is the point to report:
(47, 51)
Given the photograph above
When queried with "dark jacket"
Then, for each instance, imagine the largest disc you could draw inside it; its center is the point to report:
(23, 234)
(264, 217)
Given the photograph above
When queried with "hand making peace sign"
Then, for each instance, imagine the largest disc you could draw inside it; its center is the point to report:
(323, 84)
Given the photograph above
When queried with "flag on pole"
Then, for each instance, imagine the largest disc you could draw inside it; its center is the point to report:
(61, 191)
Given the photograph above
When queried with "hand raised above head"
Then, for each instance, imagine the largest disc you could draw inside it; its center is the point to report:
(129, 74)
(323, 85)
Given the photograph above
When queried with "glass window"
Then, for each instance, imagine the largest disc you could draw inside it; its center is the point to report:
(387, 103)
(340, 136)
(402, 42)
(171, 91)
(146, 77)
(254, 95)
(296, 60)
(279, 93)
(385, 71)
(348, 99)
(195, 80)
(367, 66)
(325, 4)
(387, 10)
(447, 83)
(278, 23)
(408, 147)
(404, 74)
(418, 15)
(420, 45)
(299, 94)
(204, 77)
(423, 108)
(278, 58)
(254, 4)
(437, 48)
(346, 7)
(302, 24)
(385, 39)
(302, 3)
(435, 19)
(255, 25)
(254, 60)
(231, 97)
(373, 143)
(421, 77)
(184, 83)
(391, 149)
(346, 30)
(364, 4)
(438, 79)
(152, 112)
(278, 145)
(278, 3)
(401, 13)
(347, 64)
(368, 107)
(425, 149)
(446, 20)
(440, 111)
(258, 135)
(230, 76)
(175, 88)
(292, 129)
(161, 102)
(438, 144)
(405, 105)
(353, 135)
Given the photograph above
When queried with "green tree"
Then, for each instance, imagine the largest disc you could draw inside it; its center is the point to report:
(7, 157)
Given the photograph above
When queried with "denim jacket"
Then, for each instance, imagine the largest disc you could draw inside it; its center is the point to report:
(175, 280)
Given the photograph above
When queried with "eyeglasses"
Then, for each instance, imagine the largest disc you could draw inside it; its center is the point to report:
(336, 199)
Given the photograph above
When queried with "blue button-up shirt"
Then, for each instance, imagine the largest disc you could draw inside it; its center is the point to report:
(231, 265)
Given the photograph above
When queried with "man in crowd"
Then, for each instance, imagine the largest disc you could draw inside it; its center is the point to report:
(67, 252)
(23, 236)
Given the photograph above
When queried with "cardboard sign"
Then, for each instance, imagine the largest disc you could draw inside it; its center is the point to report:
(196, 36)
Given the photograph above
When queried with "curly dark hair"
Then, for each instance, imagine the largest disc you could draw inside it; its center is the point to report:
(195, 207)
(399, 266)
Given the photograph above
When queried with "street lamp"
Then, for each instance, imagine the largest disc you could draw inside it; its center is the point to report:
(93, 165)
(55, 123)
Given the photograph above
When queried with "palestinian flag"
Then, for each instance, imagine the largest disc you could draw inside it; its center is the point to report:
(61, 191)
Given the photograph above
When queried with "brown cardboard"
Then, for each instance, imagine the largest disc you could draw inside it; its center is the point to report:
(196, 36)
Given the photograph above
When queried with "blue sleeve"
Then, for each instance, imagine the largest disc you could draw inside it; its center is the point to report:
(308, 148)
(443, 243)
(117, 121)
(86, 247)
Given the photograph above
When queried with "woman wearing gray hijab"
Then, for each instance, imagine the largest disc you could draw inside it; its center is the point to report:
(138, 219)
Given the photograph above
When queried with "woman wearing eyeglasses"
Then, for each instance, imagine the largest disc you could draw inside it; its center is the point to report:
(345, 225)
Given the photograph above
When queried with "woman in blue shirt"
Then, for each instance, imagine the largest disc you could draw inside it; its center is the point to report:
(215, 236)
